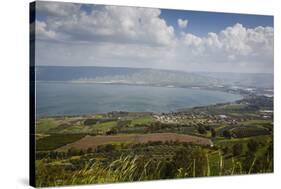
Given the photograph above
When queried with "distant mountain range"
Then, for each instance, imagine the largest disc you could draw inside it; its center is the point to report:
(146, 76)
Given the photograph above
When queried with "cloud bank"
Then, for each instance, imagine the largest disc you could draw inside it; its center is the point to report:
(139, 37)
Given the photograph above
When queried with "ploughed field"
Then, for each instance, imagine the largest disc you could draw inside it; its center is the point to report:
(94, 141)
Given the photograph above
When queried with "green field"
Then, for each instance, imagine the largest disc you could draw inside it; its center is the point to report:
(142, 120)
(45, 124)
(55, 141)
(241, 135)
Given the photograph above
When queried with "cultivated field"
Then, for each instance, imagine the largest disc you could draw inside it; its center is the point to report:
(222, 139)
(94, 141)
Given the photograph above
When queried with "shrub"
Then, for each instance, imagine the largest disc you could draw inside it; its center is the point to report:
(237, 149)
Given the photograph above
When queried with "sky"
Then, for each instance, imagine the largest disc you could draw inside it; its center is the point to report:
(70, 34)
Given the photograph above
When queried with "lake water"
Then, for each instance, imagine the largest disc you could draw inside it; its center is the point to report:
(78, 98)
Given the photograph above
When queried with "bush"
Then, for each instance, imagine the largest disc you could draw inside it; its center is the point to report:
(90, 121)
(225, 150)
(237, 149)
(214, 133)
(95, 121)
(226, 134)
(252, 146)
(201, 129)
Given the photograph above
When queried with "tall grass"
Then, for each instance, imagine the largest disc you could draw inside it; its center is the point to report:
(137, 168)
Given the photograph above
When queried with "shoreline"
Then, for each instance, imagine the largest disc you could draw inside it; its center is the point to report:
(225, 89)
(135, 112)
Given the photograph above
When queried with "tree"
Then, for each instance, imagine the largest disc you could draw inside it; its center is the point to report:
(226, 134)
(214, 133)
(89, 150)
(237, 149)
(201, 129)
(182, 159)
(112, 131)
(252, 146)
(207, 127)
(108, 147)
(167, 170)
(225, 150)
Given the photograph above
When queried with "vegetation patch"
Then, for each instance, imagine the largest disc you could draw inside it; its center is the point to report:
(249, 131)
(45, 124)
(56, 140)
(142, 121)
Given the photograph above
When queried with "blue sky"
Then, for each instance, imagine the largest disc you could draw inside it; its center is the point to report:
(120, 36)
(200, 23)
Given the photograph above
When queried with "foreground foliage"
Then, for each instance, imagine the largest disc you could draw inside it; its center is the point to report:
(150, 161)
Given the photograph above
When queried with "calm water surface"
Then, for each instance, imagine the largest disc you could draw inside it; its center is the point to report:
(73, 98)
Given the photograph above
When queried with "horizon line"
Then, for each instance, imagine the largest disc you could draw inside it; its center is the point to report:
(158, 69)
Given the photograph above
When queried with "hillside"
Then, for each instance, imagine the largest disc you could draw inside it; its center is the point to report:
(145, 76)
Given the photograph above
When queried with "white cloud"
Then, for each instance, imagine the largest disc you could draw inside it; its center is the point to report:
(182, 23)
(236, 47)
(42, 32)
(57, 8)
(234, 41)
(139, 37)
(109, 23)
